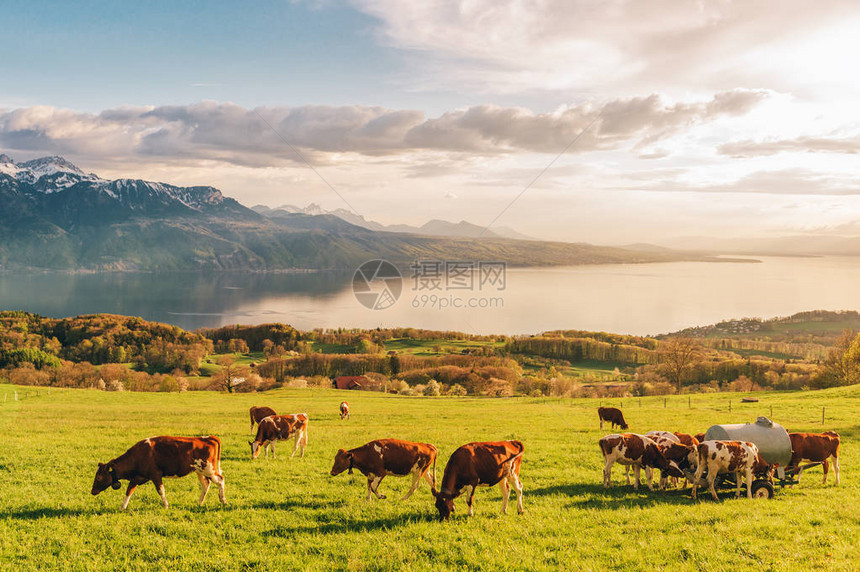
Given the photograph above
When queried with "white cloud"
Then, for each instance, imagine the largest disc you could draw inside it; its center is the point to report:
(229, 133)
(621, 46)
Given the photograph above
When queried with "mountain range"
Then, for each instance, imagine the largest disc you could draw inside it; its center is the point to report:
(56, 216)
(434, 227)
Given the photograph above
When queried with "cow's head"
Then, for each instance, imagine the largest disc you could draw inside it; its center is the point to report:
(653, 457)
(444, 504)
(255, 449)
(342, 462)
(762, 467)
(105, 477)
(624, 425)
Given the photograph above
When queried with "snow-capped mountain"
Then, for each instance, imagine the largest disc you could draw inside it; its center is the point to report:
(55, 187)
(47, 174)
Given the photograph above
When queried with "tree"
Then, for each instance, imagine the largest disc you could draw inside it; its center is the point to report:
(676, 357)
(230, 374)
(842, 366)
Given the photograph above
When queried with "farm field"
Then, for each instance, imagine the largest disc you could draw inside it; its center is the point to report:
(291, 514)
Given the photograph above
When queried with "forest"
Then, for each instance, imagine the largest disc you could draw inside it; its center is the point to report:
(806, 351)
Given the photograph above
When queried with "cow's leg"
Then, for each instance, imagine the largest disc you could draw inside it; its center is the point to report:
(159, 486)
(518, 487)
(649, 475)
(429, 476)
(376, 487)
(749, 483)
(204, 487)
(131, 486)
(711, 480)
(416, 480)
(607, 474)
(627, 473)
(636, 469)
(826, 469)
(472, 501)
(601, 422)
(506, 494)
(836, 467)
(370, 478)
(272, 445)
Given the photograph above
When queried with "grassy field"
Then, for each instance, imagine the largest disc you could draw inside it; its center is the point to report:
(290, 514)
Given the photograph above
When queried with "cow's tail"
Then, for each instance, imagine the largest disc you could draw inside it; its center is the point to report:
(513, 459)
(217, 463)
(433, 486)
(305, 430)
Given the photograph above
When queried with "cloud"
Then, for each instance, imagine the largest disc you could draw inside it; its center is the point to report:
(795, 181)
(750, 148)
(226, 132)
(616, 46)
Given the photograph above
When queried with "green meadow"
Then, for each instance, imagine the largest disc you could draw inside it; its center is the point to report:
(291, 514)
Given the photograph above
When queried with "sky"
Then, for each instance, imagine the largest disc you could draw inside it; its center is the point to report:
(610, 122)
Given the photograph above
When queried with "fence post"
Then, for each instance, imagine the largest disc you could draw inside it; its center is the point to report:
(771, 412)
(640, 403)
(822, 416)
(730, 405)
(16, 396)
(620, 404)
(665, 402)
(689, 402)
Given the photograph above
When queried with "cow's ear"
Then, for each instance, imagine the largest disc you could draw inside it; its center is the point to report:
(250, 442)
(101, 465)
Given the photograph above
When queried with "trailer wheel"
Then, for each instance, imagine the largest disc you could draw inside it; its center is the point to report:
(762, 490)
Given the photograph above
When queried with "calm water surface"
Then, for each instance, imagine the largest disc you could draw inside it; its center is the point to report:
(636, 299)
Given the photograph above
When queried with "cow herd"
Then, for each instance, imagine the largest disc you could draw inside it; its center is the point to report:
(675, 455)
(679, 455)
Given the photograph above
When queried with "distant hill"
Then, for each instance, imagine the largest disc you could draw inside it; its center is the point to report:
(431, 228)
(54, 215)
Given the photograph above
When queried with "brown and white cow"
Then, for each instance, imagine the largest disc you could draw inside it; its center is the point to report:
(157, 457)
(613, 415)
(481, 465)
(687, 439)
(684, 456)
(384, 457)
(630, 449)
(280, 428)
(260, 413)
(344, 410)
(739, 457)
(816, 447)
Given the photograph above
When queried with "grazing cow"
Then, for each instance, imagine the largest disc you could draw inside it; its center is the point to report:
(816, 447)
(157, 457)
(280, 428)
(674, 450)
(739, 457)
(613, 415)
(383, 457)
(344, 410)
(637, 451)
(260, 413)
(481, 465)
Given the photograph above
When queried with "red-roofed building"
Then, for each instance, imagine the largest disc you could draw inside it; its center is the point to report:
(349, 381)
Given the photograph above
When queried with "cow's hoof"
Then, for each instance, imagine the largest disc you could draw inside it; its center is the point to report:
(382, 497)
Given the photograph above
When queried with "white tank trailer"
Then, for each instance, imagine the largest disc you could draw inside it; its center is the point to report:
(771, 438)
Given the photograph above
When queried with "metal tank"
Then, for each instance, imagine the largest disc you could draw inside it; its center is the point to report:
(771, 438)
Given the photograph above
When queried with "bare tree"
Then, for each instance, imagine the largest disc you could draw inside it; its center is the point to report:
(230, 373)
(676, 357)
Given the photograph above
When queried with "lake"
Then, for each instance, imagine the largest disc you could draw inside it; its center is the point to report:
(626, 298)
